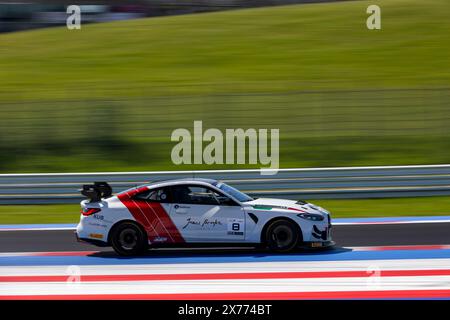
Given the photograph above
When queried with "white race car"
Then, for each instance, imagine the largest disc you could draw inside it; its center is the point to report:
(197, 212)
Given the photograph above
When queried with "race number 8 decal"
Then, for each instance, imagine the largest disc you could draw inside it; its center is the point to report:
(235, 227)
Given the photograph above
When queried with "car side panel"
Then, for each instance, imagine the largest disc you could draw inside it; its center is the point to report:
(209, 223)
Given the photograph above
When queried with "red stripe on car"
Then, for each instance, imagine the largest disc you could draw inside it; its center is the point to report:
(152, 216)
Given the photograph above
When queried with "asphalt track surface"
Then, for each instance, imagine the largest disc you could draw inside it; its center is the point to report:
(343, 235)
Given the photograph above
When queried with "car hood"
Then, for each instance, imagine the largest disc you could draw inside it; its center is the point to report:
(285, 203)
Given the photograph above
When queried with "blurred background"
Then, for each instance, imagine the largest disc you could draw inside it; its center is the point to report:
(23, 15)
(107, 97)
(341, 95)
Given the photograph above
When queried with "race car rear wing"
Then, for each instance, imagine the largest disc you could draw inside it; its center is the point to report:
(95, 192)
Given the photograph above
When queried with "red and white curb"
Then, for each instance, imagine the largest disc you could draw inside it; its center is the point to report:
(87, 253)
(406, 278)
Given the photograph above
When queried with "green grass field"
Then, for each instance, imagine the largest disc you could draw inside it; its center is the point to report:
(340, 94)
(426, 206)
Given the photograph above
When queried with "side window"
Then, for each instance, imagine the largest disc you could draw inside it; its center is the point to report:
(156, 195)
(225, 200)
(190, 194)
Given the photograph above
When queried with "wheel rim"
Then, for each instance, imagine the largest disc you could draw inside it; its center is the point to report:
(128, 239)
(282, 236)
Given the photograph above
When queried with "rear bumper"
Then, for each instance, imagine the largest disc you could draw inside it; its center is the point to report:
(95, 242)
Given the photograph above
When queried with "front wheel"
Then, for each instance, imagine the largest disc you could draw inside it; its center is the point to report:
(127, 239)
(282, 236)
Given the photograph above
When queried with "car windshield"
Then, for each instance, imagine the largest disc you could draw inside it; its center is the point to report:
(240, 196)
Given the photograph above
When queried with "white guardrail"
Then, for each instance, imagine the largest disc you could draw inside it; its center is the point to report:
(304, 183)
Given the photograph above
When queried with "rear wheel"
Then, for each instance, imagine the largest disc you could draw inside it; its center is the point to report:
(128, 239)
(282, 236)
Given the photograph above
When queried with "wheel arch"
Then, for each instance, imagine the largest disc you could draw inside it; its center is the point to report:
(269, 222)
(115, 225)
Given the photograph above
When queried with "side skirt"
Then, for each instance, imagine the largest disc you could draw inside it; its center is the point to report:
(203, 245)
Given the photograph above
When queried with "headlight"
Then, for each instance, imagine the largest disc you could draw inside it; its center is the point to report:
(311, 216)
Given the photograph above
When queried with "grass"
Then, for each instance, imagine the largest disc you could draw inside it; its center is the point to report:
(25, 214)
(316, 46)
(423, 206)
(339, 93)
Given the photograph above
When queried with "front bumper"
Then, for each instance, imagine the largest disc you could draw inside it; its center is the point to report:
(320, 235)
(322, 232)
(319, 244)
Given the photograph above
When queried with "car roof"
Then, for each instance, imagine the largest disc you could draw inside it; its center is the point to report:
(199, 181)
(173, 182)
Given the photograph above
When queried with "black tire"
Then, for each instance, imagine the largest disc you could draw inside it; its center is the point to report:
(282, 236)
(128, 239)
